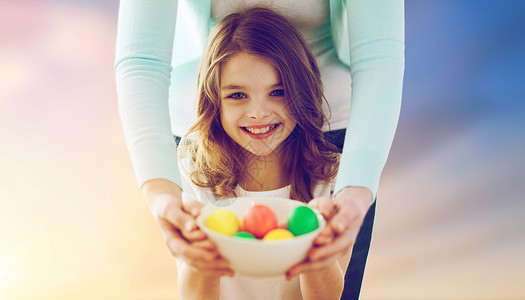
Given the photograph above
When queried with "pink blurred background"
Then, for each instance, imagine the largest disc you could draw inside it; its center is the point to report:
(451, 211)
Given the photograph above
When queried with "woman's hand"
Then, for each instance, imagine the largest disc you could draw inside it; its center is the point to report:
(177, 224)
(345, 215)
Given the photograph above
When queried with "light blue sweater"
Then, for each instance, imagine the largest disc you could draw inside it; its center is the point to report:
(368, 36)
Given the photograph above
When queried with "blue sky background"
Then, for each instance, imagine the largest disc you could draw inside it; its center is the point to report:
(452, 192)
(451, 209)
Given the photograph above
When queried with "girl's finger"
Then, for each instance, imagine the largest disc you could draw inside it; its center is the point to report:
(181, 220)
(322, 240)
(216, 264)
(195, 235)
(338, 247)
(205, 244)
(180, 248)
(325, 206)
(193, 208)
(325, 236)
(309, 267)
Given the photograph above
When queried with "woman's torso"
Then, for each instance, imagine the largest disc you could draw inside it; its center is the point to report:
(310, 13)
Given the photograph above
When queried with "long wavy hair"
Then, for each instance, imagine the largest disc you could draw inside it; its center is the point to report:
(219, 161)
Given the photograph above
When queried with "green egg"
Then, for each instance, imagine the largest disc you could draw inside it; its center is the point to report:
(244, 234)
(301, 220)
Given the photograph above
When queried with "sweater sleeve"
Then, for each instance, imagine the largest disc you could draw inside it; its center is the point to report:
(143, 65)
(376, 46)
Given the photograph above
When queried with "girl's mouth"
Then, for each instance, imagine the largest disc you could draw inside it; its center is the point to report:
(261, 132)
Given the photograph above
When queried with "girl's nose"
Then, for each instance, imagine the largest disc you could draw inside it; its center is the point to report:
(259, 109)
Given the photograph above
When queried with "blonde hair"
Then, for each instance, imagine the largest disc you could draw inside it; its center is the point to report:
(218, 160)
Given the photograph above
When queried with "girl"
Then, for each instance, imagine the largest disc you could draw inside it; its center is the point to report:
(259, 132)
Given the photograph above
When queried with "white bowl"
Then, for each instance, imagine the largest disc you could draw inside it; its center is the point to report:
(256, 257)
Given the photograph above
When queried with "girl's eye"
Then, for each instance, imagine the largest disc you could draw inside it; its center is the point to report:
(278, 93)
(237, 96)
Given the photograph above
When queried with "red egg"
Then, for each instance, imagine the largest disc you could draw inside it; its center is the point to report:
(259, 220)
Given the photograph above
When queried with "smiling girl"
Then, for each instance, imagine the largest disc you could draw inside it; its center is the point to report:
(259, 132)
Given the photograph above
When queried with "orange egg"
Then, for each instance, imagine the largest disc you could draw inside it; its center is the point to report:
(259, 220)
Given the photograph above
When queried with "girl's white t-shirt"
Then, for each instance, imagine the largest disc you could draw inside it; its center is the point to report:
(239, 286)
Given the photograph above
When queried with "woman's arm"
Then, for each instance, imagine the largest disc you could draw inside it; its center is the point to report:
(143, 65)
(143, 68)
(376, 46)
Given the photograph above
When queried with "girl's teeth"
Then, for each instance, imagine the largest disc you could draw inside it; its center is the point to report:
(260, 130)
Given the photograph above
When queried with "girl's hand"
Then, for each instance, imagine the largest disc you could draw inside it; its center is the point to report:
(177, 224)
(196, 237)
(345, 215)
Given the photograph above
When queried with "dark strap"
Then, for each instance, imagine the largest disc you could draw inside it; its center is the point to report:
(356, 267)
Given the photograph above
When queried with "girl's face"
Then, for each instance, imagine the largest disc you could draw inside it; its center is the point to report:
(253, 105)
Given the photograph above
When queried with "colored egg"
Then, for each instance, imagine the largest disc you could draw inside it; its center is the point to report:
(259, 219)
(301, 220)
(278, 234)
(245, 235)
(223, 221)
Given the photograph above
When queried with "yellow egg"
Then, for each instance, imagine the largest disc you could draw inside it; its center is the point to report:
(278, 234)
(223, 221)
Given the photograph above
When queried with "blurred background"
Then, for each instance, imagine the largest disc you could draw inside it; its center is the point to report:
(450, 218)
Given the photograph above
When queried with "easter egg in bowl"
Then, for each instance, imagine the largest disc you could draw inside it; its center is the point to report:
(259, 256)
